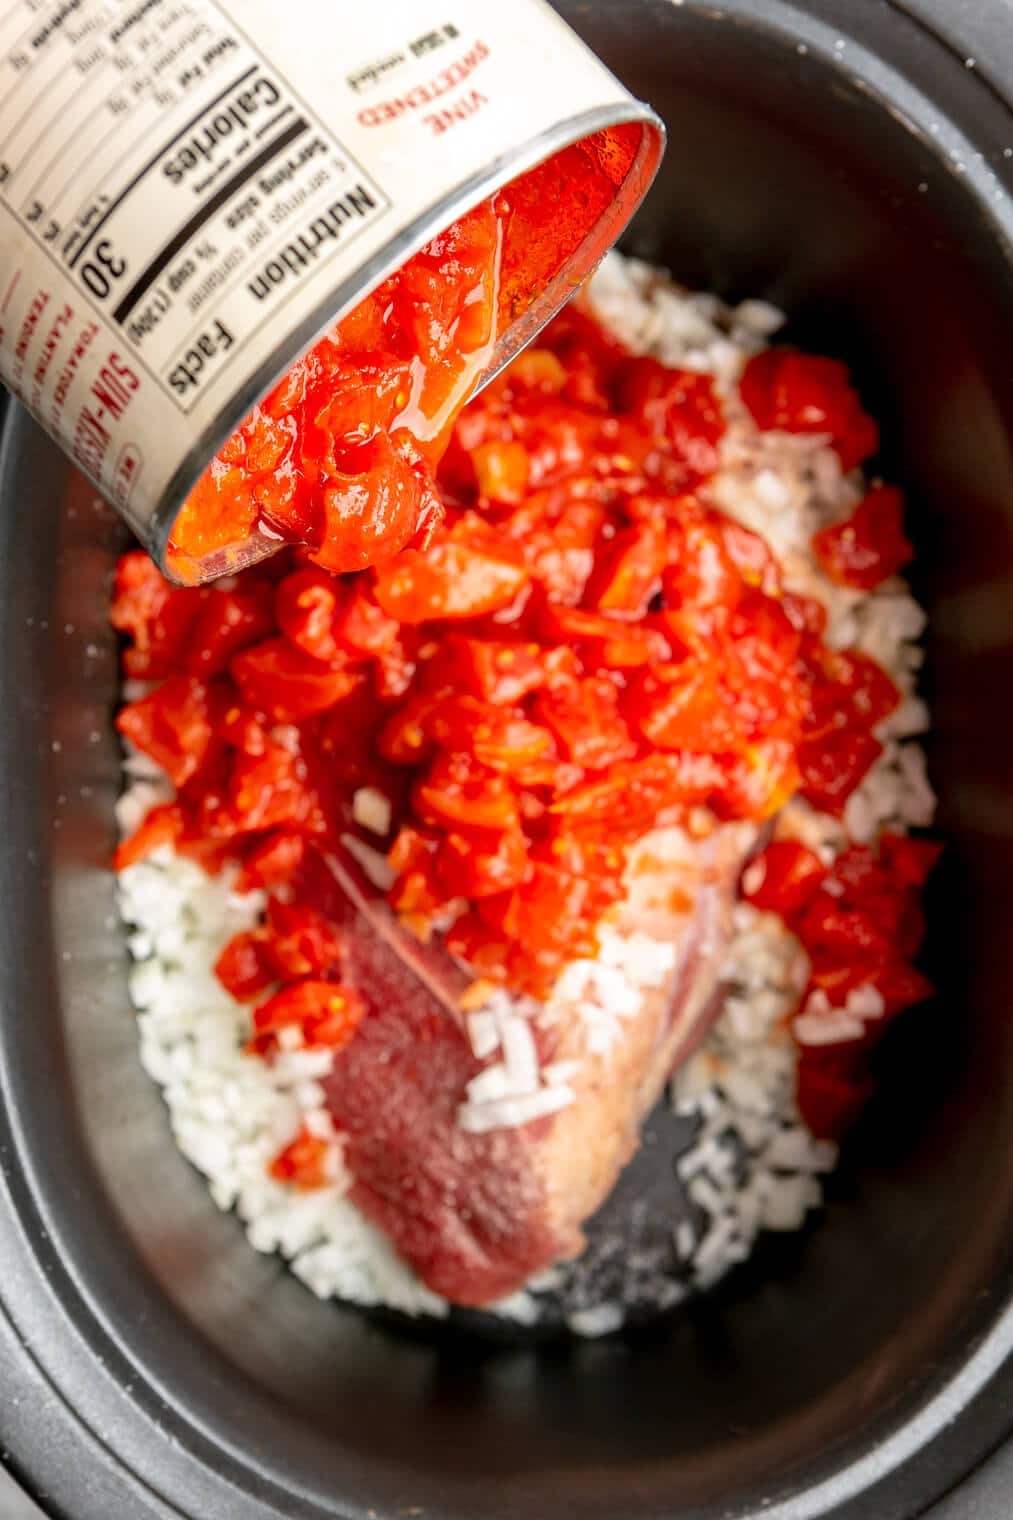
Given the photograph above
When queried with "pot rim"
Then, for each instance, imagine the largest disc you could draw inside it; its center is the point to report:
(87, 1419)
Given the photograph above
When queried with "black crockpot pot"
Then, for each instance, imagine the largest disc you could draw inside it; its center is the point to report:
(851, 161)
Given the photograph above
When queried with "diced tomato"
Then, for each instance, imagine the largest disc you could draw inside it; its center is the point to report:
(584, 853)
(466, 572)
(305, 605)
(212, 855)
(459, 792)
(805, 613)
(797, 393)
(841, 931)
(551, 910)
(172, 724)
(679, 406)
(783, 878)
(585, 718)
(332, 458)
(860, 877)
(412, 857)
(501, 469)
(486, 950)
(287, 684)
(576, 334)
(154, 614)
(445, 296)
(864, 882)
(908, 860)
(499, 670)
(468, 870)
(502, 739)
(899, 984)
(752, 557)
(609, 642)
(682, 707)
(227, 621)
(244, 967)
(268, 441)
(701, 572)
(266, 791)
(307, 1162)
(412, 848)
(831, 767)
(635, 791)
(765, 639)
(362, 626)
(628, 570)
(162, 825)
(560, 439)
(559, 549)
(849, 690)
(385, 486)
(535, 368)
(394, 668)
(140, 596)
(869, 546)
(240, 728)
(759, 781)
(838, 979)
(860, 929)
(327, 1013)
(418, 896)
(404, 737)
(302, 941)
(272, 860)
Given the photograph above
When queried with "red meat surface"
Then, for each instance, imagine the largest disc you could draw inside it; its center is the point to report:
(475, 1215)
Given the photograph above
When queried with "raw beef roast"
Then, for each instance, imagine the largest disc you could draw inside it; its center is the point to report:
(476, 1215)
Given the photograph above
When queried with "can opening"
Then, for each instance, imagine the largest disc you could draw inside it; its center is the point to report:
(341, 455)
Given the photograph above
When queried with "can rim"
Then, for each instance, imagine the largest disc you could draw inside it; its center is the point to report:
(508, 166)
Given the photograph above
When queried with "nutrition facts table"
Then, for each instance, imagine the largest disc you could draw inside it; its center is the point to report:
(157, 158)
(192, 190)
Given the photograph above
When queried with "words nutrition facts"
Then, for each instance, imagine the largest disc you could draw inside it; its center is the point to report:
(161, 163)
(128, 134)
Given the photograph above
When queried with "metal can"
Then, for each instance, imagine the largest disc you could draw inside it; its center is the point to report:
(193, 190)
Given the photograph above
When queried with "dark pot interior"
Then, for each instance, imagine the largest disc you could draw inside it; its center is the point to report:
(164, 1361)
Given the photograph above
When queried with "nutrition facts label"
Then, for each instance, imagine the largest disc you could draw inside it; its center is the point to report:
(153, 154)
(190, 190)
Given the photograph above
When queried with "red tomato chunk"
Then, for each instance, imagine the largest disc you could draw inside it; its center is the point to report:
(860, 923)
(306, 1162)
(797, 393)
(869, 546)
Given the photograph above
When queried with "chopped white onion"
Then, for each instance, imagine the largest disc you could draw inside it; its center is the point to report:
(510, 1113)
(520, 1056)
(490, 1084)
(375, 864)
(371, 809)
(483, 1033)
(835, 1028)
